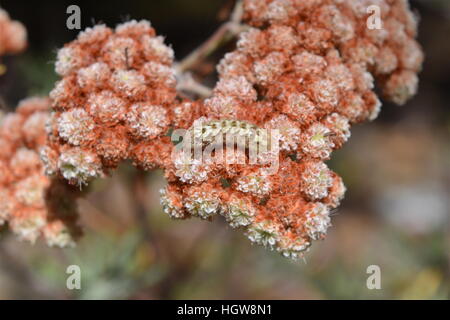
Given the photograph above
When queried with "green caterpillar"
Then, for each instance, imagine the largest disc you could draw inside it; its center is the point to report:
(241, 133)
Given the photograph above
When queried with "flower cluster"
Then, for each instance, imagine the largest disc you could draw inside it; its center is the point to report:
(305, 69)
(31, 203)
(114, 102)
(300, 76)
(13, 35)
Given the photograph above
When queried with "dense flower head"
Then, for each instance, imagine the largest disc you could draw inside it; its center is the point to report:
(301, 74)
(115, 99)
(33, 204)
(304, 71)
(13, 35)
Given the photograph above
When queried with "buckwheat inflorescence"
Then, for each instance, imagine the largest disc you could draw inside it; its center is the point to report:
(306, 70)
(254, 152)
(31, 203)
(114, 102)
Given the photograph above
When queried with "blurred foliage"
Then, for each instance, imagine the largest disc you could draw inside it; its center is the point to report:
(38, 71)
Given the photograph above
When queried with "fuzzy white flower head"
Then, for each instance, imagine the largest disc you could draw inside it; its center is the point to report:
(202, 204)
(159, 73)
(31, 191)
(222, 106)
(49, 158)
(80, 166)
(133, 26)
(67, 60)
(60, 91)
(353, 107)
(307, 63)
(316, 180)
(10, 122)
(249, 41)
(96, 33)
(339, 125)
(169, 207)
(325, 91)
(94, 75)
(233, 63)
(269, 68)
(190, 169)
(317, 143)
(57, 235)
(364, 80)
(25, 158)
(154, 46)
(239, 87)
(293, 248)
(120, 52)
(16, 34)
(239, 213)
(283, 38)
(39, 103)
(257, 184)
(338, 23)
(375, 109)
(147, 121)
(107, 107)
(341, 76)
(75, 126)
(336, 193)
(288, 132)
(34, 124)
(317, 221)
(300, 107)
(28, 226)
(278, 10)
(402, 86)
(264, 233)
(128, 82)
(386, 61)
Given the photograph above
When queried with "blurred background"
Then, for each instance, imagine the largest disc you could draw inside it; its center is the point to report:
(395, 214)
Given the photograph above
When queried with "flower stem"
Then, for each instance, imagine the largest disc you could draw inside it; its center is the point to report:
(222, 35)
